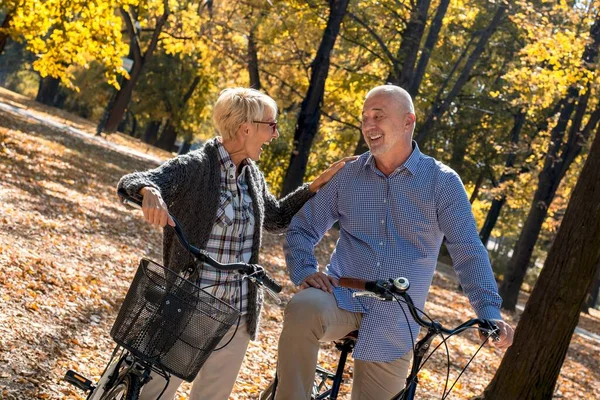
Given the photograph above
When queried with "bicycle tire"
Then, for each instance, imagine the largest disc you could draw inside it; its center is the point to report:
(127, 387)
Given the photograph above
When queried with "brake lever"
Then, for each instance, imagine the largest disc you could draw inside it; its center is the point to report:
(255, 279)
(379, 297)
(495, 334)
(273, 295)
(492, 331)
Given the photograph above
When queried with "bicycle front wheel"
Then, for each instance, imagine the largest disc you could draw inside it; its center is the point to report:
(127, 387)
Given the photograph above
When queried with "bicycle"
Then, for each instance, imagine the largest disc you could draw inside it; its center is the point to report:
(167, 324)
(326, 385)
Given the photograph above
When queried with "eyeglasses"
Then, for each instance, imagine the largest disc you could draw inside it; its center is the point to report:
(272, 124)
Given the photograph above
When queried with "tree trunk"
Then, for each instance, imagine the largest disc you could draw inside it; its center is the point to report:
(253, 61)
(478, 184)
(410, 78)
(439, 108)
(167, 138)
(151, 133)
(185, 147)
(531, 366)
(117, 109)
(491, 218)
(49, 92)
(494, 212)
(459, 149)
(558, 160)
(430, 41)
(592, 297)
(134, 125)
(4, 36)
(310, 111)
(402, 71)
(188, 94)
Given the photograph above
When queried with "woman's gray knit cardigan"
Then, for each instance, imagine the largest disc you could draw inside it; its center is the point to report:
(190, 185)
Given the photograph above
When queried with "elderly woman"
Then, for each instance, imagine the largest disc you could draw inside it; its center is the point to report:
(222, 202)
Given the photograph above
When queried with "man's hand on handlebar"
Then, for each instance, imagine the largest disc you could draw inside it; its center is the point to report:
(505, 334)
(154, 208)
(319, 280)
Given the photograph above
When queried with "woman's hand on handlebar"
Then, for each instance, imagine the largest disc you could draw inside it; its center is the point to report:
(154, 208)
(505, 334)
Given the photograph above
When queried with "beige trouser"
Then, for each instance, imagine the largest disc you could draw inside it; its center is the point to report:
(312, 316)
(217, 376)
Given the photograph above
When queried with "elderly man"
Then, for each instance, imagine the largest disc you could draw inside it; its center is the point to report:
(394, 206)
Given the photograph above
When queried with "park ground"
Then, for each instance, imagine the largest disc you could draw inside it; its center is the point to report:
(68, 251)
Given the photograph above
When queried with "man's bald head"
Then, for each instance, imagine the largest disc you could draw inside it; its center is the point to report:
(399, 95)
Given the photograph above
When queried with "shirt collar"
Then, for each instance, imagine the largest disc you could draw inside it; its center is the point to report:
(225, 158)
(410, 164)
(413, 160)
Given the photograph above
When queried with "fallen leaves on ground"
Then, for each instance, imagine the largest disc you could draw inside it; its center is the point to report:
(68, 251)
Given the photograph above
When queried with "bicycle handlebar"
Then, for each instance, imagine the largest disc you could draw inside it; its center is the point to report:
(385, 290)
(255, 272)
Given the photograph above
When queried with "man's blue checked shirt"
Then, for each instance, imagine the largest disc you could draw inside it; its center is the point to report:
(392, 226)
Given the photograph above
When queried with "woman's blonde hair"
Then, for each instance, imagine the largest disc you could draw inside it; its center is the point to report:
(238, 105)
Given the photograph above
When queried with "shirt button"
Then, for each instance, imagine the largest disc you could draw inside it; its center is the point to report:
(231, 176)
(379, 264)
(384, 201)
(382, 221)
(381, 243)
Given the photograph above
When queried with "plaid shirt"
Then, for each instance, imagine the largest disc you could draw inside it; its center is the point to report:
(231, 236)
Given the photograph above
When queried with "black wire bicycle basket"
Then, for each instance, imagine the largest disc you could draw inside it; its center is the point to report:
(170, 321)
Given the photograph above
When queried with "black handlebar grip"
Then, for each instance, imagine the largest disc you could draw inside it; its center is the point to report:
(126, 198)
(270, 283)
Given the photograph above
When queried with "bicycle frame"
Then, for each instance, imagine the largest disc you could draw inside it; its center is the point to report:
(128, 363)
(389, 290)
(141, 367)
(421, 348)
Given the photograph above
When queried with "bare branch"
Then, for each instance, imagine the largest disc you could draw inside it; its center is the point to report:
(377, 38)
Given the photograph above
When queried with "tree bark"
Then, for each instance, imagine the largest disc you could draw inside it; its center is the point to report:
(494, 212)
(459, 149)
(410, 78)
(432, 38)
(185, 147)
(402, 71)
(558, 160)
(151, 133)
(49, 92)
(117, 109)
(477, 187)
(439, 108)
(4, 36)
(532, 364)
(167, 138)
(310, 110)
(253, 61)
(189, 93)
